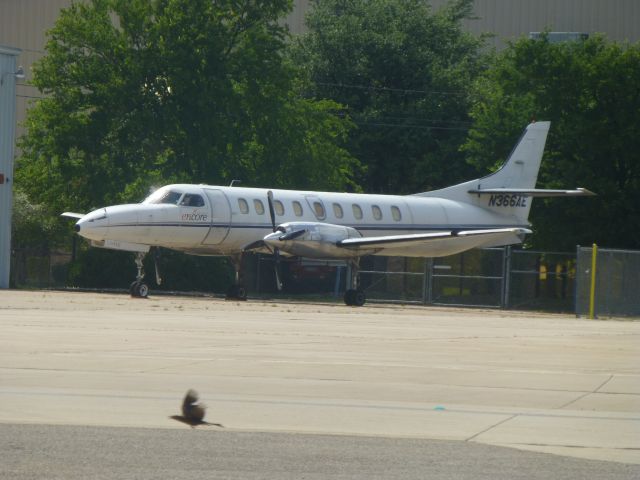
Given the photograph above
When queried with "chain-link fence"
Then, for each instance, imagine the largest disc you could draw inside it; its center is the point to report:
(491, 277)
(38, 268)
(495, 277)
(616, 290)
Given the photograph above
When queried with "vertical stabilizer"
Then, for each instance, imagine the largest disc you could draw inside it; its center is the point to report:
(519, 172)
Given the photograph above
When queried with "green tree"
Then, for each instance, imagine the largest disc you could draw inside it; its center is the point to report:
(589, 91)
(403, 72)
(145, 92)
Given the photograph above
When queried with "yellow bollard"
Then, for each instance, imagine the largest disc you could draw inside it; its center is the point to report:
(592, 293)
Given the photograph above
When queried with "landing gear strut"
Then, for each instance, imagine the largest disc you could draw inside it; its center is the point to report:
(237, 291)
(138, 288)
(355, 295)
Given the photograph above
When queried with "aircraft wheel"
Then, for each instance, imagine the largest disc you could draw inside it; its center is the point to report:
(241, 292)
(359, 298)
(139, 290)
(348, 297)
(237, 292)
(355, 298)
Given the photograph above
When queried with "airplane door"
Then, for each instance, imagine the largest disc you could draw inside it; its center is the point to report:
(220, 217)
(317, 207)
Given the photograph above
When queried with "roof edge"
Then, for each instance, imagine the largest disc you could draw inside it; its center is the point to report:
(10, 50)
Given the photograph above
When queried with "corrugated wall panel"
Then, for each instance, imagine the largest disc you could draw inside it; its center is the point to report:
(510, 19)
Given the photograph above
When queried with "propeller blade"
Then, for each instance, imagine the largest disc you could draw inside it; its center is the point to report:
(276, 251)
(271, 210)
(292, 235)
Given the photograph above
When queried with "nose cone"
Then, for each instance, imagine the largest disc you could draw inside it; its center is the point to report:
(273, 239)
(93, 225)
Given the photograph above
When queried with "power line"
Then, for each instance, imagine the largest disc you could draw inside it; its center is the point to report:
(420, 127)
(29, 96)
(395, 90)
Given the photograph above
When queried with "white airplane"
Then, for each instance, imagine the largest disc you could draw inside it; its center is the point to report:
(215, 220)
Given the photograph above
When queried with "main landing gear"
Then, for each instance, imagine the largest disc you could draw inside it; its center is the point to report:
(355, 295)
(237, 291)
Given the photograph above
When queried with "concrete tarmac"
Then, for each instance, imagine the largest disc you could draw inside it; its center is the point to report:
(544, 383)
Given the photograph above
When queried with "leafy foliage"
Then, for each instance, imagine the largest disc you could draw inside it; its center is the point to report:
(589, 91)
(403, 73)
(147, 92)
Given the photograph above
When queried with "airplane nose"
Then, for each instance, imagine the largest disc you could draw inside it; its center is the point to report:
(93, 225)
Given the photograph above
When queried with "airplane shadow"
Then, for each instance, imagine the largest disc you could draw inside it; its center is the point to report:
(194, 423)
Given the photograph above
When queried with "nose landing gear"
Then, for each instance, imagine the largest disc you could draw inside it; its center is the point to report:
(139, 289)
(237, 291)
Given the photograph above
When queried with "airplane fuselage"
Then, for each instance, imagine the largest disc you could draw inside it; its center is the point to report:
(215, 220)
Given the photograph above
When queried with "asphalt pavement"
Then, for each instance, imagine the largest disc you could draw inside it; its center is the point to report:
(95, 453)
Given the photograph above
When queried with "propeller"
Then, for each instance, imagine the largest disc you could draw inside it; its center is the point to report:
(276, 250)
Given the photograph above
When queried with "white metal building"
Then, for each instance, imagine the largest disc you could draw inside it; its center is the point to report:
(8, 75)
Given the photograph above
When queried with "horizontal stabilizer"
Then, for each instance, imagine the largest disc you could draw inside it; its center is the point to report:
(77, 216)
(533, 192)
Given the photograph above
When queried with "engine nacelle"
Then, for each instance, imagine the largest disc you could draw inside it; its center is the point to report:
(312, 240)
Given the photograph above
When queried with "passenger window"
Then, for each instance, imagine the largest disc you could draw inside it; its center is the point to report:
(191, 200)
(243, 205)
(278, 207)
(259, 206)
(377, 213)
(318, 210)
(357, 211)
(337, 210)
(396, 214)
(297, 208)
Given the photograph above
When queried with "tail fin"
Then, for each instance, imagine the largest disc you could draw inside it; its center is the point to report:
(510, 186)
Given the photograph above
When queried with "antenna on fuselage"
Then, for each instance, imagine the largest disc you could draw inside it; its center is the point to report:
(234, 181)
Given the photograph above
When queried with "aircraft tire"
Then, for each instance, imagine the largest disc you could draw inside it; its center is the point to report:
(354, 298)
(237, 292)
(143, 290)
(359, 298)
(139, 290)
(348, 297)
(241, 292)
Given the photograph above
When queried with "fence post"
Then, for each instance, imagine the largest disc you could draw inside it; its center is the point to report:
(592, 290)
(428, 281)
(506, 276)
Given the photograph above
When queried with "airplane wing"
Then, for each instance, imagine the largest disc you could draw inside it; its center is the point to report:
(77, 216)
(434, 244)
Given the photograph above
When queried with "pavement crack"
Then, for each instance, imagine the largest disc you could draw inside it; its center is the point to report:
(490, 428)
(586, 394)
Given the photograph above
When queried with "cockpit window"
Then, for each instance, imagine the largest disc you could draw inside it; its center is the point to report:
(164, 196)
(192, 200)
